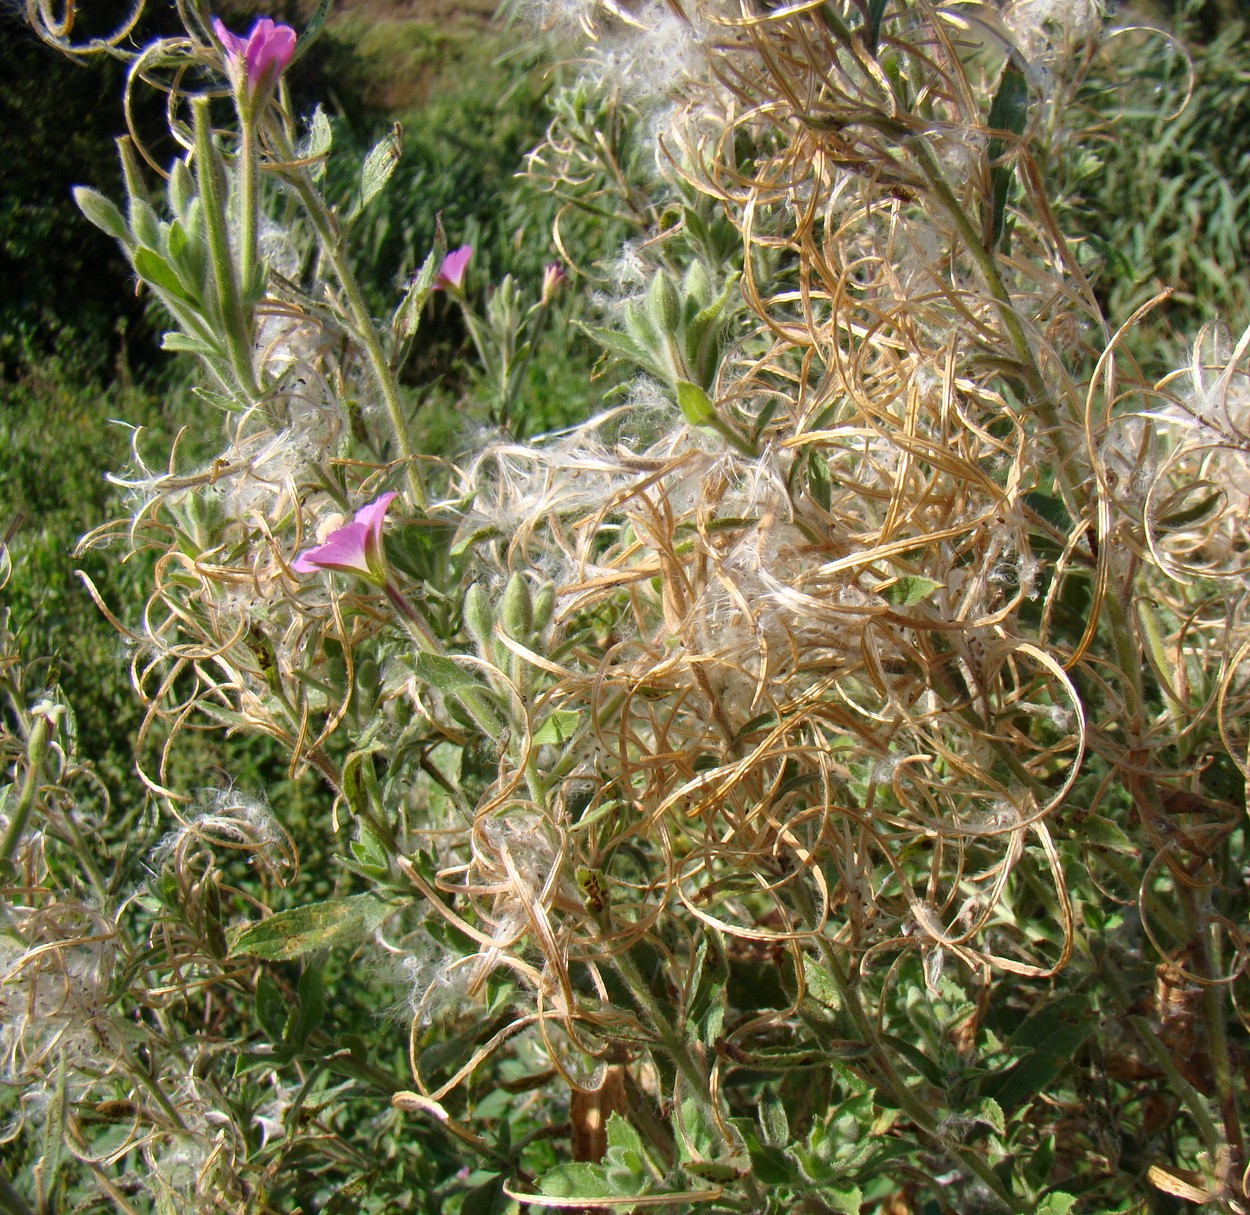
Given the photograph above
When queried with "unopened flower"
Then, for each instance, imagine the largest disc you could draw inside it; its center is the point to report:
(355, 548)
(451, 273)
(254, 63)
(553, 276)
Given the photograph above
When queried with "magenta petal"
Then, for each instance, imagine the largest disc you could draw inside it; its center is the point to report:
(233, 44)
(451, 273)
(269, 49)
(373, 515)
(261, 57)
(354, 548)
(344, 550)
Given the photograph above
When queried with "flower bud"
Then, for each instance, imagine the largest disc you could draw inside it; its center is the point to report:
(479, 619)
(553, 276)
(544, 606)
(663, 304)
(518, 609)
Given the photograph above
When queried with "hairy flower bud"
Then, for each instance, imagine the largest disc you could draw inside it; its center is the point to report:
(518, 608)
(479, 618)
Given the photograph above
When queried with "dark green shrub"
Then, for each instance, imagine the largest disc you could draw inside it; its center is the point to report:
(1163, 191)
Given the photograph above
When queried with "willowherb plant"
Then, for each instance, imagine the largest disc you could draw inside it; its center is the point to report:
(795, 779)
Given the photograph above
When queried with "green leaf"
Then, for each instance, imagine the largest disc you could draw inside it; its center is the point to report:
(271, 1008)
(1009, 112)
(408, 315)
(991, 1113)
(700, 1140)
(102, 212)
(910, 590)
(186, 255)
(320, 137)
(625, 347)
(184, 344)
(359, 781)
(641, 329)
(488, 1198)
(1041, 1158)
(819, 483)
(444, 674)
(1050, 508)
(52, 1157)
(1050, 1036)
(1055, 1203)
(1186, 508)
(466, 542)
(819, 985)
(716, 1171)
(312, 1005)
(575, 1181)
(773, 1121)
(623, 1171)
(559, 727)
(695, 405)
(181, 189)
(376, 172)
(703, 334)
(706, 1010)
(622, 1137)
(291, 934)
(846, 1201)
(154, 269)
(770, 1166)
(145, 229)
(1106, 834)
(872, 23)
(663, 305)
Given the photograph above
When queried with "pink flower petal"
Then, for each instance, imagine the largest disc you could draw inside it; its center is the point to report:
(269, 49)
(234, 44)
(354, 548)
(372, 516)
(451, 273)
(261, 57)
(344, 549)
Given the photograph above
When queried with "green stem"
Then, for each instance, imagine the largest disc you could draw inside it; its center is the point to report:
(35, 747)
(210, 181)
(365, 330)
(420, 631)
(1213, 996)
(675, 1045)
(83, 857)
(515, 380)
(149, 1082)
(249, 199)
(743, 446)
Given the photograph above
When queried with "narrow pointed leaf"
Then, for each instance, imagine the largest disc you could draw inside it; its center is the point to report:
(1008, 112)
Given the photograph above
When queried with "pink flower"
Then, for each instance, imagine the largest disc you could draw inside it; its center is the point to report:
(451, 273)
(259, 59)
(354, 548)
(553, 276)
